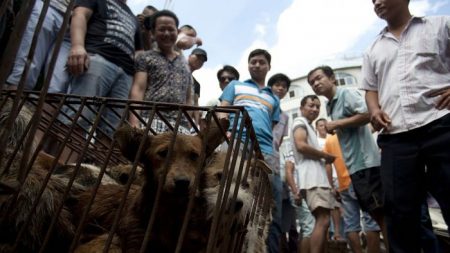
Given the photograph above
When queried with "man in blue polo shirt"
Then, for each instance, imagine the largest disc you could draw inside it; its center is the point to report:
(264, 110)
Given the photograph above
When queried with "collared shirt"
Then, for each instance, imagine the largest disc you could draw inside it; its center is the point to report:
(311, 172)
(262, 106)
(357, 144)
(404, 71)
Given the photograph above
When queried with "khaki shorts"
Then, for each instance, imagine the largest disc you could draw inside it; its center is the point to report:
(319, 197)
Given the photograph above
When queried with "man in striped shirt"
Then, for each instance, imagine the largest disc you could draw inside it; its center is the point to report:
(263, 108)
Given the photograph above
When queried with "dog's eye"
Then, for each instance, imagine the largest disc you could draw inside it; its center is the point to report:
(193, 156)
(245, 185)
(163, 153)
(219, 176)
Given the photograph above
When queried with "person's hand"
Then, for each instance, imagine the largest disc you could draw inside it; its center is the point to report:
(329, 158)
(297, 198)
(78, 61)
(444, 99)
(380, 120)
(331, 127)
(336, 195)
(198, 41)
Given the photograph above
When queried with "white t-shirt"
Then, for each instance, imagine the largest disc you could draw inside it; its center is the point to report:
(311, 173)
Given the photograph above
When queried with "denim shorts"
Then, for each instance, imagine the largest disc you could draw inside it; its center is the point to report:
(353, 213)
(368, 190)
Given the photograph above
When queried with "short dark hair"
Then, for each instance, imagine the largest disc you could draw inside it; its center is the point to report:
(321, 119)
(151, 21)
(327, 70)
(260, 52)
(305, 99)
(280, 77)
(230, 69)
(151, 7)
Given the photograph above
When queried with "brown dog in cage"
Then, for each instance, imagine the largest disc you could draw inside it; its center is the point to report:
(256, 232)
(17, 200)
(179, 181)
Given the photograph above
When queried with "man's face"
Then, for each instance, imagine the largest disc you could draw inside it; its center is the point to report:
(321, 129)
(258, 66)
(321, 83)
(280, 89)
(225, 78)
(196, 61)
(166, 32)
(311, 109)
(389, 9)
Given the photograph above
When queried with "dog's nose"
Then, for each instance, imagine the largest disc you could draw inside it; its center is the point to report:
(182, 184)
(238, 205)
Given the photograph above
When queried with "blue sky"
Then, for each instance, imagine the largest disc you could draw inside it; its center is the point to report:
(299, 34)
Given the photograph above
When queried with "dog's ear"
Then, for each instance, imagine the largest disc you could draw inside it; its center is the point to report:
(129, 139)
(215, 136)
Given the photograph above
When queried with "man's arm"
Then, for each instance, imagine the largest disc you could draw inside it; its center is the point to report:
(289, 168)
(185, 42)
(137, 93)
(302, 146)
(356, 120)
(223, 114)
(78, 60)
(378, 117)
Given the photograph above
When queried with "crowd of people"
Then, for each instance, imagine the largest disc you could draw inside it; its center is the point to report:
(337, 177)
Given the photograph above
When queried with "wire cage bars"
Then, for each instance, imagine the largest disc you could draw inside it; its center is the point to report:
(73, 181)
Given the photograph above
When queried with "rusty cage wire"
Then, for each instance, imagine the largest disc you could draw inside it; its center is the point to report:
(243, 170)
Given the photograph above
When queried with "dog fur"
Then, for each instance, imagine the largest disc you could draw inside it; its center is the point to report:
(176, 187)
(17, 201)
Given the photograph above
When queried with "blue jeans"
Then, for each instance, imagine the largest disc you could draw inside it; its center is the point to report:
(274, 237)
(43, 51)
(352, 213)
(102, 79)
(406, 181)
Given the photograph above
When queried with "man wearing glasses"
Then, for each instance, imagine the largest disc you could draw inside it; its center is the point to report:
(227, 74)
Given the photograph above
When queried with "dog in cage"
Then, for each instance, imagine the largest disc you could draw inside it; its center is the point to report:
(211, 182)
(176, 183)
(17, 199)
(258, 228)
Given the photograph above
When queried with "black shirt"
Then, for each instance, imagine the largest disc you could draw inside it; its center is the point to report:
(112, 32)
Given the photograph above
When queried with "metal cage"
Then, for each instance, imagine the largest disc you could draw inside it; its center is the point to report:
(56, 119)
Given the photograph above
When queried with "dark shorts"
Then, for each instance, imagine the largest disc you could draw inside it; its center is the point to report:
(367, 186)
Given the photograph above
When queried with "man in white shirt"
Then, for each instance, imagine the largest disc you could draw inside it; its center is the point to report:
(310, 163)
(406, 75)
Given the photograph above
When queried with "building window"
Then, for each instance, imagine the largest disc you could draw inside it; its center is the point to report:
(294, 115)
(345, 79)
(291, 94)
